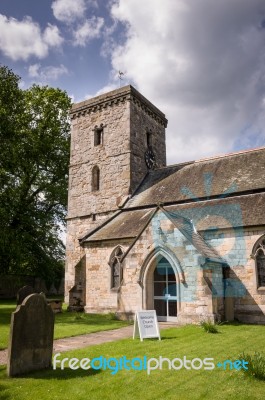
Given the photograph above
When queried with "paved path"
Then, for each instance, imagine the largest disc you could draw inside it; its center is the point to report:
(78, 342)
(90, 339)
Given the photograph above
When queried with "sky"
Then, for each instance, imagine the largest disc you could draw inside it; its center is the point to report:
(202, 62)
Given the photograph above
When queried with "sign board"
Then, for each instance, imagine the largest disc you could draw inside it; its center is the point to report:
(146, 325)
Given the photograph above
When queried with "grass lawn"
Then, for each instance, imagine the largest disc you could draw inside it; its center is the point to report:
(66, 324)
(189, 341)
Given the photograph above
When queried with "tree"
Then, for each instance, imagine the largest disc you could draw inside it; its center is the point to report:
(34, 157)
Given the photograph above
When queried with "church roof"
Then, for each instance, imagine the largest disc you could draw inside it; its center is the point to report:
(210, 194)
(233, 174)
(213, 214)
(125, 225)
(130, 225)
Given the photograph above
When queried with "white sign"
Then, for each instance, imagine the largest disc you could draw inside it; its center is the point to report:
(146, 325)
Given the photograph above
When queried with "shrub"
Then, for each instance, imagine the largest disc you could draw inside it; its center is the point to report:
(256, 365)
(79, 316)
(209, 326)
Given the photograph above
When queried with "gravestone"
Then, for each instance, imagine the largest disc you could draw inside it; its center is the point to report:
(31, 336)
(24, 292)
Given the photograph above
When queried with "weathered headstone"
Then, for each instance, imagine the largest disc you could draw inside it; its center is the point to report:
(24, 292)
(31, 336)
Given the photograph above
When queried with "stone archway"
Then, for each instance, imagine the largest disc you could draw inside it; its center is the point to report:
(161, 275)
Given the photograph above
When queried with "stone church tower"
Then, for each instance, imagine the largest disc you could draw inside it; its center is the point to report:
(116, 138)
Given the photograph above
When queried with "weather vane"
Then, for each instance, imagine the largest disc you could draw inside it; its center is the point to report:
(120, 76)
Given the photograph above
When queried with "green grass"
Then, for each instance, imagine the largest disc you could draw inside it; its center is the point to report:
(6, 308)
(66, 324)
(163, 384)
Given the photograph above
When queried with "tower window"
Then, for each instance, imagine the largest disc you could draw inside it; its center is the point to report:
(95, 178)
(98, 135)
(149, 138)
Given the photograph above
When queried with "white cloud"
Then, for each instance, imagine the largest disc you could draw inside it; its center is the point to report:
(90, 29)
(52, 36)
(68, 10)
(104, 89)
(203, 64)
(20, 40)
(33, 70)
(46, 74)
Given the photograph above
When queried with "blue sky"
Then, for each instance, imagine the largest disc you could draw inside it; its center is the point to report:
(201, 62)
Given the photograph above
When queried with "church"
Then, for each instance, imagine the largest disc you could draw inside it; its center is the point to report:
(186, 240)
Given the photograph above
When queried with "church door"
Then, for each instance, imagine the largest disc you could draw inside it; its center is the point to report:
(165, 291)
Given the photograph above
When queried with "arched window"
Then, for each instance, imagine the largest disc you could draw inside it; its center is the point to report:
(95, 178)
(259, 256)
(116, 268)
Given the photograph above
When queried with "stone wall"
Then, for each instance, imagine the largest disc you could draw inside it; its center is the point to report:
(236, 246)
(112, 158)
(141, 123)
(197, 299)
